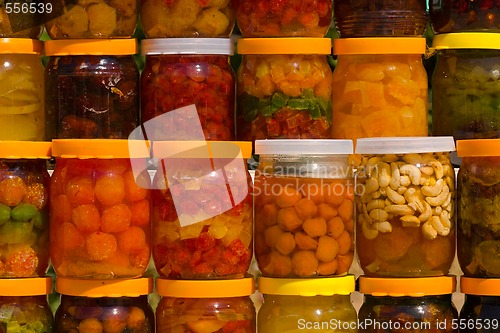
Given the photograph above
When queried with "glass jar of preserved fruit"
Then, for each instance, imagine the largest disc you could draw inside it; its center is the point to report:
(100, 209)
(92, 89)
(284, 89)
(480, 312)
(202, 210)
(25, 21)
(205, 306)
(405, 189)
(379, 88)
(104, 305)
(478, 199)
(22, 88)
(185, 71)
(408, 304)
(466, 86)
(304, 194)
(24, 210)
(298, 305)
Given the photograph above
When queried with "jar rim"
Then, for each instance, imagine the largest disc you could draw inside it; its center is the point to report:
(324, 286)
(304, 147)
(480, 287)
(205, 288)
(478, 148)
(100, 148)
(21, 46)
(187, 46)
(405, 145)
(202, 149)
(104, 287)
(288, 45)
(26, 286)
(100, 47)
(25, 150)
(467, 40)
(411, 286)
(379, 45)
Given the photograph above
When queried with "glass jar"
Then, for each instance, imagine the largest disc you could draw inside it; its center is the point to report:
(104, 305)
(405, 190)
(25, 23)
(187, 18)
(92, 89)
(379, 88)
(408, 304)
(466, 86)
(284, 89)
(185, 71)
(202, 210)
(21, 104)
(480, 312)
(92, 19)
(478, 241)
(100, 209)
(298, 305)
(205, 306)
(304, 193)
(283, 18)
(24, 210)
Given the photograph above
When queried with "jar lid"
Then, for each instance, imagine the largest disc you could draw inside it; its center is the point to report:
(221, 46)
(100, 148)
(342, 285)
(25, 150)
(202, 149)
(414, 287)
(20, 46)
(379, 45)
(205, 288)
(405, 145)
(303, 147)
(478, 147)
(289, 45)
(109, 47)
(26, 286)
(467, 40)
(104, 287)
(481, 287)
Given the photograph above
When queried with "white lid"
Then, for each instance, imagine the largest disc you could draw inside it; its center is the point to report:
(303, 147)
(207, 46)
(405, 145)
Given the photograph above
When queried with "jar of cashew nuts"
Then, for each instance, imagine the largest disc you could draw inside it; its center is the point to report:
(405, 192)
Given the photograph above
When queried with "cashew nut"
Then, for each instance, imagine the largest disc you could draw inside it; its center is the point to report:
(450, 181)
(399, 210)
(428, 231)
(402, 189)
(395, 176)
(412, 171)
(383, 227)
(368, 231)
(404, 180)
(384, 174)
(395, 197)
(427, 170)
(366, 215)
(414, 201)
(371, 165)
(445, 221)
(412, 158)
(437, 224)
(426, 214)
(371, 185)
(438, 168)
(432, 191)
(440, 198)
(376, 203)
(389, 158)
(378, 214)
(410, 221)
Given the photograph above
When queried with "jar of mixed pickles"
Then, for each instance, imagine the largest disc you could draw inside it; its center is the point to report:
(297, 305)
(100, 209)
(284, 89)
(104, 305)
(205, 306)
(185, 71)
(304, 193)
(92, 89)
(480, 312)
(466, 86)
(22, 20)
(405, 189)
(408, 304)
(202, 210)
(22, 88)
(379, 88)
(478, 197)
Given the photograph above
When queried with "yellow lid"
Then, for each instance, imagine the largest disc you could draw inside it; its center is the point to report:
(64, 47)
(26, 286)
(478, 147)
(414, 287)
(343, 285)
(100, 148)
(205, 288)
(379, 45)
(481, 287)
(25, 149)
(466, 40)
(20, 46)
(292, 45)
(202, 149)
(104, 288)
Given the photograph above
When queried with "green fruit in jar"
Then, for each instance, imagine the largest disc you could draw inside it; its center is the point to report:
(38, 221)
(488, 255)
(23, 212)
(4, 213)
(15, 232)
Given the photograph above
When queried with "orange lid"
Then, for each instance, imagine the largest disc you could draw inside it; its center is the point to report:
(20, 46)
(25, 149)
(100, 148)
(205, 288)
(379, 45)
(202, 149)
(111, 47)
(291, 45)
(414, 287)
(26, 286)
(481, 287)
(478, 147)
(104, 288)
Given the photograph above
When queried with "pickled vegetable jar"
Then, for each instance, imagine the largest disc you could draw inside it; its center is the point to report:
(478, 200)
(287, 18)
(186, 71)
(304, 193)
(205, 306)
(466, 86)
(298, 305)
(202, 210)
(104, 305)
(480, 312)
(22, 20)
(92, 89)
(22, 88)
(379, 88)
(408, 304)
(100, 209)
(284, 89)
(405, 189)
(24, 210)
